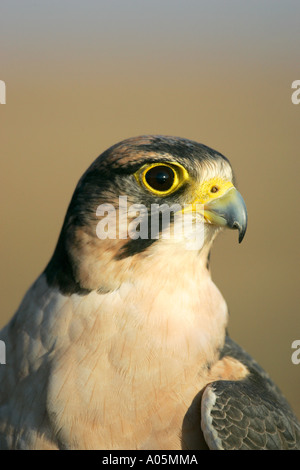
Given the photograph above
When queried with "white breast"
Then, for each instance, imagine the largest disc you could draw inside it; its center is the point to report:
(117, 370)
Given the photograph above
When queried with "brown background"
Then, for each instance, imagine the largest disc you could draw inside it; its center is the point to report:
(82, 76)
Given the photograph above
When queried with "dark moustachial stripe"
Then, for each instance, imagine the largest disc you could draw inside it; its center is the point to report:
(59, 272)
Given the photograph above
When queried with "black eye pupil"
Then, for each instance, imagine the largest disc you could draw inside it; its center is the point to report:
(160, 178)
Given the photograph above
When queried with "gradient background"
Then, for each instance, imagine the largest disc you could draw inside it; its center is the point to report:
(83, 75)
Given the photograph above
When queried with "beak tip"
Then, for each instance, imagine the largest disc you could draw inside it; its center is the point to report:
(241, 229)
(241, 236)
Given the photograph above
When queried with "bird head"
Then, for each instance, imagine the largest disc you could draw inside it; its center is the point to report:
(150, 196)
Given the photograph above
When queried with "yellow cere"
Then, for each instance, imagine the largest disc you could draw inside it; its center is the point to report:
(211, 189)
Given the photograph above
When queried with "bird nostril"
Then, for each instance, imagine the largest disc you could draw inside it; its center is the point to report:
(214, 189)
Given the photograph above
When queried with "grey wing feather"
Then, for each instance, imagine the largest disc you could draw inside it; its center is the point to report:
(250, 414)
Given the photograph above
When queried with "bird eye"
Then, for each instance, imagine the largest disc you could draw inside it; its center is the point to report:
(214, 189)
(160, 177)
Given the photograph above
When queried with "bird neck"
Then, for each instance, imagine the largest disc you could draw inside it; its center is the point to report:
(179, 302)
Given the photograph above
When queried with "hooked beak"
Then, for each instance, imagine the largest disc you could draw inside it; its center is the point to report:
(228, 210)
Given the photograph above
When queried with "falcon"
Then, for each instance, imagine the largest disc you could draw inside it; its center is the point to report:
(121, 343)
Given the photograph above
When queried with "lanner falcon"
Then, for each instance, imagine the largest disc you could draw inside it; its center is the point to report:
(121, 343)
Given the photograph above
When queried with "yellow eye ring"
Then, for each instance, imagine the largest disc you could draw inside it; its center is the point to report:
(161, 179)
